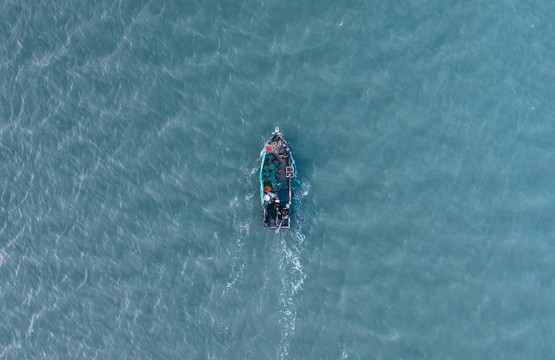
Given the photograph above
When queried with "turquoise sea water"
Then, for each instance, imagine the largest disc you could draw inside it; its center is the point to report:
(130, 225)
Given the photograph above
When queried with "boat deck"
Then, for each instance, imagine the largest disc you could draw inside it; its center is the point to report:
(275, 180)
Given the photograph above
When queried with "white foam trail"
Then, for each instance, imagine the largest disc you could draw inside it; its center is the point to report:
(291, 271)
(292, 279)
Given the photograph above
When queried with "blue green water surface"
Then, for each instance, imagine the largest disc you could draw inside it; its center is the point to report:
(423, 133)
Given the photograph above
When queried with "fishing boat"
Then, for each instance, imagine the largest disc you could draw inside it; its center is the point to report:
(276, 172)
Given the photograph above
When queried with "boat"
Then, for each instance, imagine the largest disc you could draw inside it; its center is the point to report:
(276, 173)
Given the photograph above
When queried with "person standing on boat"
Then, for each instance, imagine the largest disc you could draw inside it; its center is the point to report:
(269, 197)
(285, 152)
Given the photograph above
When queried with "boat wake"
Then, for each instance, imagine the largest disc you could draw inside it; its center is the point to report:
(289, 248)
(292, 278)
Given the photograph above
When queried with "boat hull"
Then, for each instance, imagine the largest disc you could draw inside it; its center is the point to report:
(276, 174)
